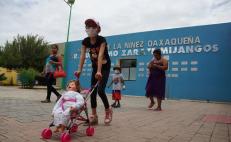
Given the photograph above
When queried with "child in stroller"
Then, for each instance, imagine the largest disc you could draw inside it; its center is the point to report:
(69, 103)
(66, 113)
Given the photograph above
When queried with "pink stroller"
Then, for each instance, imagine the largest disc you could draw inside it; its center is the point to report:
(76, 120)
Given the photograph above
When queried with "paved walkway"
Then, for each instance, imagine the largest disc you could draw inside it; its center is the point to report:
(22, 117)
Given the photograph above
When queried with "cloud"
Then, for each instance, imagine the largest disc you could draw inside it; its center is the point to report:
(221, 3)
(49, 18)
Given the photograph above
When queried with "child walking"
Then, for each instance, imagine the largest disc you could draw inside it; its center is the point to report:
(71, 101)
(117, 85)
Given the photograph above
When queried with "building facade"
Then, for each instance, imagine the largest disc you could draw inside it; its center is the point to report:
(199, 61)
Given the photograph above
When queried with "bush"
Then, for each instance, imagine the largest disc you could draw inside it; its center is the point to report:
(27, 77)
(2, 77)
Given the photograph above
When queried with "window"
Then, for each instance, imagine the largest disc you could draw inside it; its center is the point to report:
(128, 68)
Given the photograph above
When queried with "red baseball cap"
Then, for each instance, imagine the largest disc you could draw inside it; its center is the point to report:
(92, 23)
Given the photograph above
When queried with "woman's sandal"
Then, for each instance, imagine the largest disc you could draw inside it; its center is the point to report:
(151, 105)
(108, 116)
(158, 109)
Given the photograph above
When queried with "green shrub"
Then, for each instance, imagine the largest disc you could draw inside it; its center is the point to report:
(27, 77)
(2, 77)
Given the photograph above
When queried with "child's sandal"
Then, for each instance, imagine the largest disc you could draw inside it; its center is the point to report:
(114, 104)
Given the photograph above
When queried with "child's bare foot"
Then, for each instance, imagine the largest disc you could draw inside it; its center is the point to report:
(57, 129)
(62, 128)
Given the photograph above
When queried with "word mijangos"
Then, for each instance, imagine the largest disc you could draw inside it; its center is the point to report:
(188, 49)
(166, 50)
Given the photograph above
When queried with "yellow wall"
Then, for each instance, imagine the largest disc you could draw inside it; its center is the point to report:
(11, 76)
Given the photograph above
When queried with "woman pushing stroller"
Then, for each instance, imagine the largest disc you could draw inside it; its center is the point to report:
(101, 64)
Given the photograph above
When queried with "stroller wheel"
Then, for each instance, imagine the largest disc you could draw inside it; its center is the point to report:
(90, 131)
(65, 137)
(46, 133)
(74, 128)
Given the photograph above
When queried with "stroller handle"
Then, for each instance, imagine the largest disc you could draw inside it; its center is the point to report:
(93, 88)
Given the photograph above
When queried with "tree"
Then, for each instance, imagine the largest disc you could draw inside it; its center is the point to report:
(24, 52)
(1, 53)
(10, 57)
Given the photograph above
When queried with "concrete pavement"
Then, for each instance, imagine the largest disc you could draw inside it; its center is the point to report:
(22, 117)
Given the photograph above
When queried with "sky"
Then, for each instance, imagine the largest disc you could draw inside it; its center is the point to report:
(49, 18)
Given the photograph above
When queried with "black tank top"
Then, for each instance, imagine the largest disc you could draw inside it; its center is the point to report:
(94, 51)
